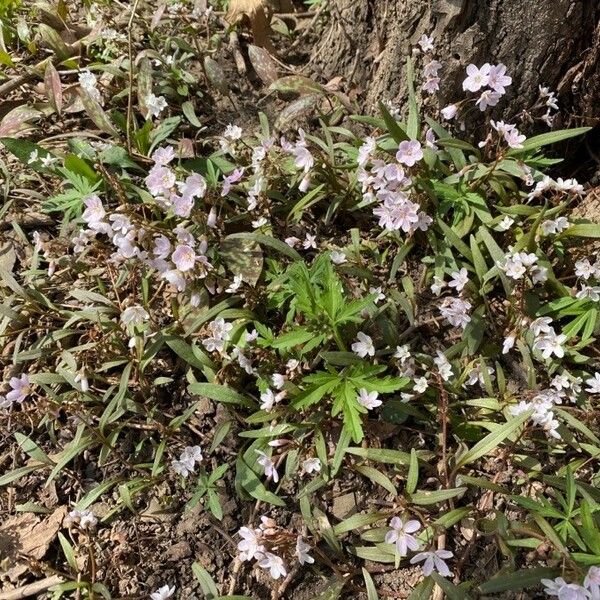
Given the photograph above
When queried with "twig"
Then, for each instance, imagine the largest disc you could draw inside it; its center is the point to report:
(130, 91)
(31, 589)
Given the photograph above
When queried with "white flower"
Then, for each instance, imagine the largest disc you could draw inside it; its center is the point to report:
(588, 291)
(268, 466)
(433, 561)
(234, 286)
(310, 241)
(134, 315)
(594, 383)
(311, 465)
(364, 346)
(155, 104)
(379, 295)
(443, 365)
(509, 342)
(402, 352)
(550, 344)
(498, 79)
(476, 77)
(88, 82)
(250, 546)
(592, 582)
(33, 157)
(84, 518)
(459, 279)
(583, 268)
(487, 98)
(219, 334)
(554, 225)
(426, 42)
(368, 399)
(162, 593)
(506, 223)
(338, 258)
(449, 112)
(541, 325)
(269, 399)
(275, 565)
(278, 380)
(456, 310)
(438, 285)
(233, 132)
(302, 549)
(565, 591)
(400, 535)
(420, 385)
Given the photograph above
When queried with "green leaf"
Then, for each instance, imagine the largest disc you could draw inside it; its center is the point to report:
(455, 240)
(357, 521)
(267, 240)
(220, 393)
(393, 128)
(591, 230)
(452, 591)
(333, 590)
(412, 123)
(423, 590)
(435, 497)
(206, 581)
(369, 585)
(516, 580)
(413, 472)
(545, 139)
(68, 551)
(377, 477)
(492, 440)
(394, 457)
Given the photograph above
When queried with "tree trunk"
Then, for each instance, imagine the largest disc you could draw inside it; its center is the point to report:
(555, 43)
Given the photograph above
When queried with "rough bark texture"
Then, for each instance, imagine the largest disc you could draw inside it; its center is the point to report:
(550, 42)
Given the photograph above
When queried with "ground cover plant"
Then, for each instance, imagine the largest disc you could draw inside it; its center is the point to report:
(315, 353)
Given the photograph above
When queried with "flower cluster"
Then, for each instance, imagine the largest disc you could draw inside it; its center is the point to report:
(269, 544)
(590, 590)
(186, 463)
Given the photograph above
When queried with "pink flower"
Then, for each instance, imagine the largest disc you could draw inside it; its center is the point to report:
(368, 399)
(488, 98)
(163, 156)
(182, 205)
(498, 79)
(160, 180)
(400, 535)
(409, 152)
(94, 212)
(20, 389)
(235, 176)
(431, 85)
(426, 42)
(194, 186)
(184, 257)
(449, 112)
(476, 77)
(433, 561)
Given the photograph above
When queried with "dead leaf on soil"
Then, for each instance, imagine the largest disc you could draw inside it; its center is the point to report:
(27, 536)
(258, 14)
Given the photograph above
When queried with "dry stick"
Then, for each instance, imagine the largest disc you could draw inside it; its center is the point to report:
(31, 589)
(130, 92)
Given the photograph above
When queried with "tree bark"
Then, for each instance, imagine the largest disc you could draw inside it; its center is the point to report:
(555, 43)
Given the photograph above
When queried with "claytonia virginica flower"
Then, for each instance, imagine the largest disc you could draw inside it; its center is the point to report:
(269, 399)
(400, 535)
(364, 346)
(250, 547)
(268, 466)
(20, 389)
(426, 42)
(84, 519)
(476, 77)
(459, 279)
(433, 561)
(274, 564)
(409, 152)
(565, 591)
(302, 549)
(368, 399)
(155, 105)
(134, 315)
(594, 384)
(311, 465)
(162, 593)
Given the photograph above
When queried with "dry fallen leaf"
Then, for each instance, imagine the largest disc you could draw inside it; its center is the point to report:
(27, 536)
